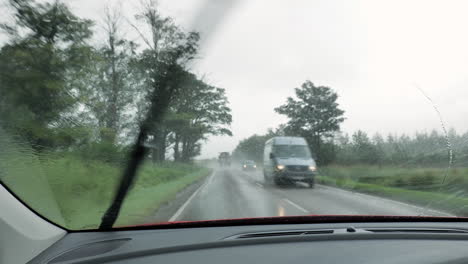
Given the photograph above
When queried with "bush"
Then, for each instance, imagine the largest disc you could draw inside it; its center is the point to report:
(368, 179)
(410, 178)
(421, 180)
(398, 182)
(103, 151)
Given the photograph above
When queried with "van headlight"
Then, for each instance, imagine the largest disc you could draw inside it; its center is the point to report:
(280, 167)
(312, 168)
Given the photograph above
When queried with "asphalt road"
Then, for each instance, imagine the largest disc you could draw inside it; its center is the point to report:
(232, 193)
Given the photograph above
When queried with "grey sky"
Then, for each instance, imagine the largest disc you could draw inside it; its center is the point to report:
(373, 53)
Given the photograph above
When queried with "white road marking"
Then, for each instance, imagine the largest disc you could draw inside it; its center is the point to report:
(295, 205)
(259, 184)
(182, 208)
(211, 178)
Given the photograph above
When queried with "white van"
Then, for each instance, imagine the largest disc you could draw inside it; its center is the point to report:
(287, 160)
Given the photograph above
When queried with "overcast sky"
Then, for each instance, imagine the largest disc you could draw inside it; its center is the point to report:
(373, 53)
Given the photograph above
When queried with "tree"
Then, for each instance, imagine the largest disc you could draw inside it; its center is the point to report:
(379, 144)
(315, 115)
(111, 85)
(422, 149)
(363, 149)
(162, 64)
(252, 147)
(198, 110)
(344, 151)
(46, 42)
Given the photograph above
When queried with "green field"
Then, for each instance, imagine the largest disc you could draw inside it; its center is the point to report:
(437, 188)
(75, 193)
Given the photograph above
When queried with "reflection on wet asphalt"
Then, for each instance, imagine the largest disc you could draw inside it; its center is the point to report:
(232, 193)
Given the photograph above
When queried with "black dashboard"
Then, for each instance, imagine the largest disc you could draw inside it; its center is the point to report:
(298, 243)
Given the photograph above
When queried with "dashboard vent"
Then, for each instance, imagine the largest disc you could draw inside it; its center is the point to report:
(350, 230)
(285, 233)
(416, 230)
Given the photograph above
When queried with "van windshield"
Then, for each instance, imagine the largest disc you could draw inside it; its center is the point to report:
(291, 151)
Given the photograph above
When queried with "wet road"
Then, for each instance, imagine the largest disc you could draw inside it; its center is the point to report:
(230, 193)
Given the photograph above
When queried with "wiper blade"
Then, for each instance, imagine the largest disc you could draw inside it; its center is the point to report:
(158, 106)
(137, 154)
(159, 103)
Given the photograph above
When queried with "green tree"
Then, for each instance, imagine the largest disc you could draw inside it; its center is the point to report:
(315, 115)
(422, 149)
(252, 147)
(109, 88)
(344, 150)
(198, 111)
(46, 41)
(379, 143)
(363, 149)
(162, 62)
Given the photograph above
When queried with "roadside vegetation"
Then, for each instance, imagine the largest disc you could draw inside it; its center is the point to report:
(75, 95)
(425, 187)
(75, 192)
(426, 168)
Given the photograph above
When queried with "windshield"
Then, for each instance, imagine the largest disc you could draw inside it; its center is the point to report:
(114, 113)
(291, 151)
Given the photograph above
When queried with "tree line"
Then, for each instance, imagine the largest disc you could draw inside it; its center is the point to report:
(315, 115)
(433, 149)
(60, 93)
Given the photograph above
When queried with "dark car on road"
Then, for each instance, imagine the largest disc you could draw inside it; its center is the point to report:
(249, 165)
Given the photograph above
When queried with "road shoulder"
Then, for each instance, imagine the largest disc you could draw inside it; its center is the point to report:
(166, 211)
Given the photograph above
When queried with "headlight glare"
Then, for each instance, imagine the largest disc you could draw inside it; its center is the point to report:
(280, 167)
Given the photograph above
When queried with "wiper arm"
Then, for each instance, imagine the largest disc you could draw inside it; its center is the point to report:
(136, 157)
(158, 106)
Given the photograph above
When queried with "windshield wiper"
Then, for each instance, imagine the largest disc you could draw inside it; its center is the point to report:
(159, 103)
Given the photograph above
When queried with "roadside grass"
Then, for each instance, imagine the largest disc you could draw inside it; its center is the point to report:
(400, 176)
(24, 175)
(74, 193)
(421, 186)
(144, 200)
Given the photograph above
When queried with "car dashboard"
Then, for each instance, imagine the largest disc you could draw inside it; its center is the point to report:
(305, 243)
